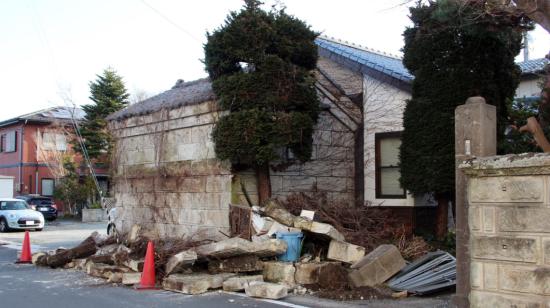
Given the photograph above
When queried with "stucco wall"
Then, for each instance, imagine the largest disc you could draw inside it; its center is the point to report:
(528, 87)
(509, 215)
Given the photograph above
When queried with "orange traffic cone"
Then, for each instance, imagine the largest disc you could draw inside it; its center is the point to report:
(26, 251)
(148, 275)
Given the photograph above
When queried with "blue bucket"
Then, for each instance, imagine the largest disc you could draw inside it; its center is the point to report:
(294, 245)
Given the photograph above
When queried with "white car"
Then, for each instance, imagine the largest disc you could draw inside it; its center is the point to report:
(17, 214)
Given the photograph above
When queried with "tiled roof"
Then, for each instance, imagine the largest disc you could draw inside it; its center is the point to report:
(183, 93)
(362, 59)
(388, 64)
(48, 115)
(533, 66)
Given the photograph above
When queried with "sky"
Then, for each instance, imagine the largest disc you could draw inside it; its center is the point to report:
(50, 50)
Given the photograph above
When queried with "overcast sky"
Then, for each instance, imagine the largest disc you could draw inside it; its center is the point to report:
(52, 49)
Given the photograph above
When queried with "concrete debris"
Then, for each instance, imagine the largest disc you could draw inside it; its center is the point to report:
(180, 261)
(103, 270)
(240, 264)
(266, 290)
(280, 272)
(115, 277)
(134, 265)
(235, 284)
(275, 210)
(377, 267)
(345, 252)
(135, 233)
(307, 214)
(194, 283)
(269, 248)
(324, 229)
(107, 249)
(131, 278)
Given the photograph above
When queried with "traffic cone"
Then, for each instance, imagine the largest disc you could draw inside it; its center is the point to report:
(148, 275)
(26, 252)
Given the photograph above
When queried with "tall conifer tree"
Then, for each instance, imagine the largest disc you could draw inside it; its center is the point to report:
(260, 64)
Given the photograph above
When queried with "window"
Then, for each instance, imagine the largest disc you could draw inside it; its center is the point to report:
(47, 187)
(8, 142)
(387, 166)
(54, 141)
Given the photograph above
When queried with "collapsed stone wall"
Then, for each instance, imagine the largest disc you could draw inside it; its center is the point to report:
(509, 222)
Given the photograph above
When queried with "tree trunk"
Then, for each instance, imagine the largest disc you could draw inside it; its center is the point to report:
(441, 217)
(83, 250)
(264, 183)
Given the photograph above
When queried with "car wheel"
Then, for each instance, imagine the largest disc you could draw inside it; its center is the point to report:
(4, 225)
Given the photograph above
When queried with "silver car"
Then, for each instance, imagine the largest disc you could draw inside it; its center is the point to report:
(16, 214)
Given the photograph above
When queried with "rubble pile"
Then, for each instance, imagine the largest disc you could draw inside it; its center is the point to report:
(317, 259)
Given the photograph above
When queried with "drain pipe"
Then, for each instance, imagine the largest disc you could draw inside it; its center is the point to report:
(21, 157)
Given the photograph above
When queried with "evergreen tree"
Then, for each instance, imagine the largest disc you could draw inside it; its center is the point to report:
(260, 64)
(108, 94)
(455, 50)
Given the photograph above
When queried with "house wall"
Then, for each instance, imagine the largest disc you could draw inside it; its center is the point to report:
(509, 210)
(383, 106)
(528, 87)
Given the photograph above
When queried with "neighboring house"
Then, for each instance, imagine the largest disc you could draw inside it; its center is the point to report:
(31, 147)
(166, 176)
(531, 77)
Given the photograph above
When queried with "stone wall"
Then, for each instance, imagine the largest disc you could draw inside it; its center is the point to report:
(167, 178)
(509, 219)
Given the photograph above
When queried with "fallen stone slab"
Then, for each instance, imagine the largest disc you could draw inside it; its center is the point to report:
(80, 264)
(134, 234)
(194, 283)
(345, 252)
(240, 264)
(180, 261)
(266, 290)
(237, 246)
(134, 265)
(377, 267)
(131, 278)
(107, 249)
(235, 284)
(275, 210)
(280, 272)
(105, 259)
(308, 273)
(322, 229)
(115, 277)
(103, 270)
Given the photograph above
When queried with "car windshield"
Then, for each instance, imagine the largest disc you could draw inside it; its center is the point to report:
(13, 205)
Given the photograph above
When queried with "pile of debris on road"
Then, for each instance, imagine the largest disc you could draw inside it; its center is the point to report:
(280, 252)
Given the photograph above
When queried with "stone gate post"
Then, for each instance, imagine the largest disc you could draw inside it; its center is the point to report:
(475, 136)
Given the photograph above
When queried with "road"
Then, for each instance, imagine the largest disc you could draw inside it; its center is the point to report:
(23, 286)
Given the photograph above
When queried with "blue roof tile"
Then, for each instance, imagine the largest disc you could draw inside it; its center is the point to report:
(392, 65)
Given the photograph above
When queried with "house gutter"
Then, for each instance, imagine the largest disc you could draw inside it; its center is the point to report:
(21, 156)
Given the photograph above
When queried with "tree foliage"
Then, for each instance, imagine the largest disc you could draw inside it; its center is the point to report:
(260, 64)
(108, 94)
(455, 51)
(71, 189)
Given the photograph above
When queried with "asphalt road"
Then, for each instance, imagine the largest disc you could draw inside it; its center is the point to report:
(30, 286)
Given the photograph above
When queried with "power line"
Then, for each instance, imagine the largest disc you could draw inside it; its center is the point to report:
(170, 21)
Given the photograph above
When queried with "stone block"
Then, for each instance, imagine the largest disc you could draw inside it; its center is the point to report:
(275, 210)
(325, 230)
(488, 219)
(377, 267)
(524, 279)
(332, 184)
(115, 278)
(237, 246)
(279, 272)
(266, 290)
(523, 219)
(240, 264)
(490, 276)
(239, 283)
(218, 183)
(505, 248)
(345, 252)
(476, 275)
(513, 189)
(480, 299)
(180, 261)
(308, 273)
(131, 278)
(546, 249)
(194, 283)
(269, 248)
(298, 183)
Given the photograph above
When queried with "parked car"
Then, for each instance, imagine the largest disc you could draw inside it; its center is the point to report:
(44, 205)
(17, 214)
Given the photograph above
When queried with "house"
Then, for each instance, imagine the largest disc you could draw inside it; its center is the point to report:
(166, 176)
(31, 146)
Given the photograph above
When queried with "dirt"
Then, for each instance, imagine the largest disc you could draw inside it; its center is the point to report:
(362, 293)
(333, 277)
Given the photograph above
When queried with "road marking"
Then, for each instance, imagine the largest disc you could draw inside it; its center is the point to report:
(271, 301)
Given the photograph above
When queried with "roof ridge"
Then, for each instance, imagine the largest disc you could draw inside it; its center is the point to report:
(360, 47)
